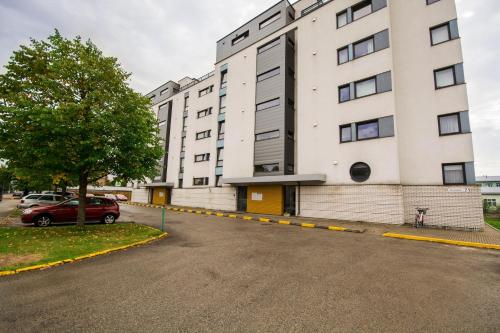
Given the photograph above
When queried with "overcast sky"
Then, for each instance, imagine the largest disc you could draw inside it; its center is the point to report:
(160, 40)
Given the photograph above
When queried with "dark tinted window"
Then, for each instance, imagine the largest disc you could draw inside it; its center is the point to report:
(360, 172)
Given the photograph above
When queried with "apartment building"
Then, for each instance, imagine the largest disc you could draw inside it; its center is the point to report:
(342, 109)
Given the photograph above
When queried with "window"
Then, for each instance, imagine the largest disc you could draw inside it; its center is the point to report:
(269, 104)
(202, 157)
(151, 98)
(206, 91)
(222, 104)
(268, 74)
(203, 135)
(343, 55)
(218, 181)
(360, 172)
(164, 91)
(342, 19)
(220, 157)
(204, 113)
(200, 181)
(365, 88)
(440, 34)
(290, 168)
(223, 79)
(162, 123)
(444, 77)
(163, 106)
(362, 9)
(267, 135)
(221, 130)
(240, 38)
(33, 196)
(267, 167)
(367, 130)
(96, 202)
(290, 134)
(270, 20)
(46, 198)
(364, 47)
(344, 93)
(449, 124)
(345, 133)
(430, 2)
(268, 46)
(183, 144)
(454, 174)
(180, 183)
(186, 103)
(490, 202)
(181, 165)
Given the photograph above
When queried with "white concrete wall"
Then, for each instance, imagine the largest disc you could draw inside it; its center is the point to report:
(217, 198)
(140, 195)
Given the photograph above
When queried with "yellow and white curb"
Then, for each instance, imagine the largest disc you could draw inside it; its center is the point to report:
(87, 256)
(249, 218)
(443, 241)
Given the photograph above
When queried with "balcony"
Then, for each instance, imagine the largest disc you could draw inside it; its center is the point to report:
(221, 117)
(314, 6)
(196, 81)
(218, 171)
(220, 143)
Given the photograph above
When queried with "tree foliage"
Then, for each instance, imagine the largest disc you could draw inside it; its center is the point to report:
(66, 109)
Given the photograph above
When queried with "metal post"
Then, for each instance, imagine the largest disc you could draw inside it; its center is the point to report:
(163, 219)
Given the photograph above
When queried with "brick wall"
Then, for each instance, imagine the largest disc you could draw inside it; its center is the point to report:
(222, 198)
(450, 206)
(368, 203)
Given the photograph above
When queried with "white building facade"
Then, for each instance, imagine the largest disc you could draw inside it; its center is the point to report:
(346, 109)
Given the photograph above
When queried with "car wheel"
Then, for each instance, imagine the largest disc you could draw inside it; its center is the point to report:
(109, 219)
(43, 221)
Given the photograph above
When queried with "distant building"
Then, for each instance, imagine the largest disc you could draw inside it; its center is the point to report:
(490, 190)
(352, 110)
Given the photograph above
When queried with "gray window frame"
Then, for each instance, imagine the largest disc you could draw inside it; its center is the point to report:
(269, 74)
(267, 132)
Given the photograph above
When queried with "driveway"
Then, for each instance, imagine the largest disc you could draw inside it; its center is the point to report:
(222, 275)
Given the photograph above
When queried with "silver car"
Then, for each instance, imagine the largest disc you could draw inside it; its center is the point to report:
(38, 200)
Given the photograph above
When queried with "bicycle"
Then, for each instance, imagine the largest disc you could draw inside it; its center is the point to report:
(419, 218)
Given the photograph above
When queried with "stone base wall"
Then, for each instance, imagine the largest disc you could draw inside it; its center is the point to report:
(220, 198)
(367, 203)
(450, 206)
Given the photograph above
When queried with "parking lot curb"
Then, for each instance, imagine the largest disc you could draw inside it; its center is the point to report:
(87, 256)
(443, 241)
(232, 215)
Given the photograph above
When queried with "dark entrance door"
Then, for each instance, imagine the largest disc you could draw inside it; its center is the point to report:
(242, 199)
(290, 200)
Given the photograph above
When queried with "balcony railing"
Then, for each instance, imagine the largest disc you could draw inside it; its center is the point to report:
(196, 81)
(314, 6)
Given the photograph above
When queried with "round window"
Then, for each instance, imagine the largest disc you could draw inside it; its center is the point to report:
(360, 172)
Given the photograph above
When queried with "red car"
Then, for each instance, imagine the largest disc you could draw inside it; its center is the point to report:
(97, 210)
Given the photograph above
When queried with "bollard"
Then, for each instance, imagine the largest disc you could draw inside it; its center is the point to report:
(163, 219)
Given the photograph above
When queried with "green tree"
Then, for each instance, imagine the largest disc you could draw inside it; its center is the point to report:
(65, 108)
(6, 177)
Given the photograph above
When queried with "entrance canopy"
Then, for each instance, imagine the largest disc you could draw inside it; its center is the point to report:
(159, 185)
(283, 180)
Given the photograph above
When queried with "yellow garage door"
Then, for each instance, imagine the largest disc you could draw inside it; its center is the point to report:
(265, 199)
(159, 196)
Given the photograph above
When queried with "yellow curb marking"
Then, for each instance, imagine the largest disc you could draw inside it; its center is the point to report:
(95, 254)
(219, 214)
(232, 216)
(284, 222)
(336, 228)
(209, 213)
(181, 210)
(248, 218)
(189, 210)
(264, 220)
(198, 212)
(308, 225)
(444, 241)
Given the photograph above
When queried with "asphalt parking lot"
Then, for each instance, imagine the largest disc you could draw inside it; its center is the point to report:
(223, 275)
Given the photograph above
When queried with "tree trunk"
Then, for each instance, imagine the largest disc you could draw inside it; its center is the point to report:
(82, 193)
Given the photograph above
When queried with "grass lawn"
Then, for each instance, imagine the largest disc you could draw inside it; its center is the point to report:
(493, 222)
(26, 246)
